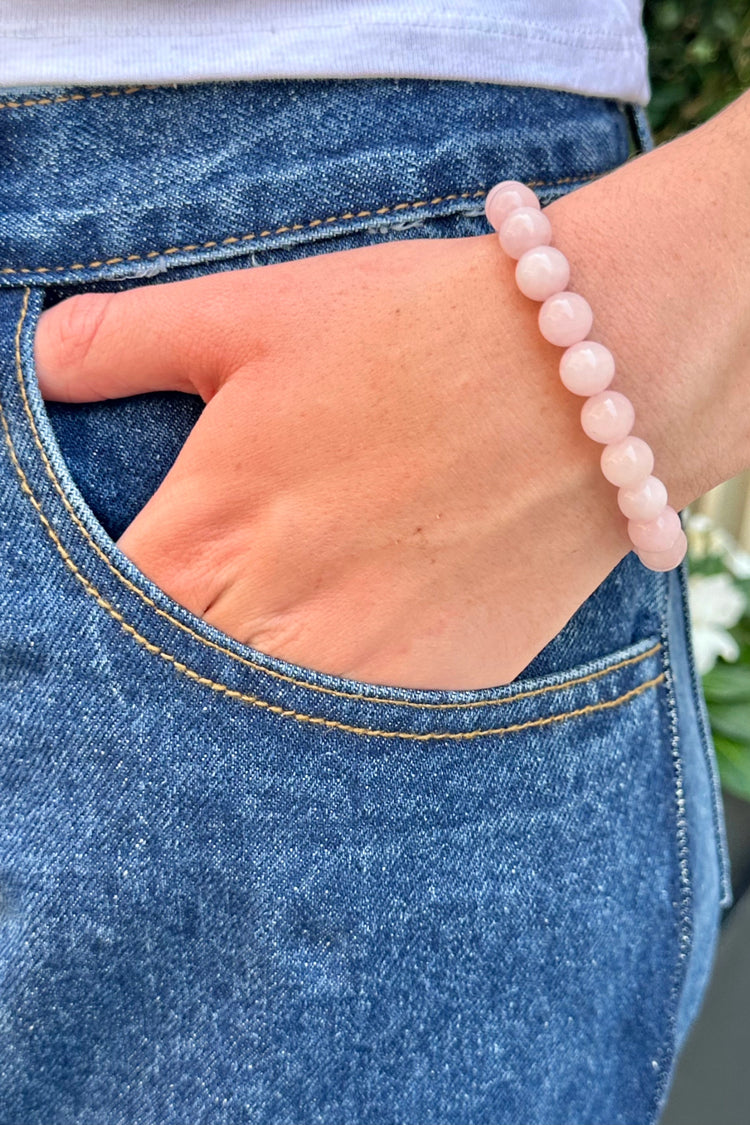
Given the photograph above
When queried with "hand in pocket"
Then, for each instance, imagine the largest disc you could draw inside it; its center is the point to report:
(387, 483)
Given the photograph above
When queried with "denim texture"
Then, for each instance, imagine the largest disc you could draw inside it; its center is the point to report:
(235, 890)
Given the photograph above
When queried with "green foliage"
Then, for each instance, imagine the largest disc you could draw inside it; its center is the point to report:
(726, 686)
(730, 722)
(727, 691)
(699, 60)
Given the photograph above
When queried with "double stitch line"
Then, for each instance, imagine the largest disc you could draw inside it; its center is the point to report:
(284, 712)
(347, 216)
(244, 660)
(235, 656)
(245, 697)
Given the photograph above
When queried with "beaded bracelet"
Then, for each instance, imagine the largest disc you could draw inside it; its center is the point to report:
(587, 368)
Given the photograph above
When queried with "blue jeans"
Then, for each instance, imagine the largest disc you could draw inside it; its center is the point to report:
(237, 890)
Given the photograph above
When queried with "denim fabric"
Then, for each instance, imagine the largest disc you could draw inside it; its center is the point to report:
(236, 890)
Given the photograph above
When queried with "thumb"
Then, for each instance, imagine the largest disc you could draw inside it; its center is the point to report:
(181, 336)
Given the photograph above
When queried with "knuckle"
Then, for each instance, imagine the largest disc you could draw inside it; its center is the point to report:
(74, 328)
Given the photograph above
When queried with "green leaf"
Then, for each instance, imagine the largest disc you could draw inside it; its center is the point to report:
(734, 766)
(725, 22)
(668, 15)
(727, 683)
(699, 60)
(669, 96)
(732, 720)
(702, 50)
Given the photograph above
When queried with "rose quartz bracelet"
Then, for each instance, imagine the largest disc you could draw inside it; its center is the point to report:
(587, 368)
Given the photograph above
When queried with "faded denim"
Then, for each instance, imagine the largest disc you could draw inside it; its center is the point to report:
(235, 890)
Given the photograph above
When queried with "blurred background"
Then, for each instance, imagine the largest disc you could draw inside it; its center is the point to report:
(699, 61)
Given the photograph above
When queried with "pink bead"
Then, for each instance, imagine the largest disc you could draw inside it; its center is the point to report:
(666, 560)
(506, 197)
(524, 228)
(644, 501)
(587, 368)
(608, 416)
(542, 272)
(565, 319)
(655, 535)
(627, 462)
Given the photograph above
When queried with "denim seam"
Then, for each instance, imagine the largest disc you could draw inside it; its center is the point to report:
(708, 758)
(685, 925)
(74, 97)
(274, 708)
(236, 656)
(309, 224)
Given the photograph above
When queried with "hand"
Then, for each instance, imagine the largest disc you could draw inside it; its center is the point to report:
(388, 481)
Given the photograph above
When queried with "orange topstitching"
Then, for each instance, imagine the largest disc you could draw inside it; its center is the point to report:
(347, 216)
(285, 712)
(236, 656)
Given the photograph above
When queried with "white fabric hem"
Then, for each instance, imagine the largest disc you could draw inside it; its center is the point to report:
(591, 63)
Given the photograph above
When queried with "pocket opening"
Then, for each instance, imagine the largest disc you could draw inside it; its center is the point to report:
(88, 532)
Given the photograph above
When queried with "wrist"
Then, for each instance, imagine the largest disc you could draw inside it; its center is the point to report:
(547, 452)
(661, 255)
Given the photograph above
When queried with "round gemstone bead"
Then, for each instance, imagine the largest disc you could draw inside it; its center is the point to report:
(565, 319)
(655, 535)
(587, 368)
(644, 501)
(627, 462)
(542, 272)
(523, 229)
(666, 560)
(506, 197)
(608, 416)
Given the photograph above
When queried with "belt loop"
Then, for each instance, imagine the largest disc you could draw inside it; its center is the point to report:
(640, 128)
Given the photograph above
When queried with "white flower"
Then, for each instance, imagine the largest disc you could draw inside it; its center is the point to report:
(737, 560)
(705, 537)
(716, 604)
(699, 521)
(697, 527)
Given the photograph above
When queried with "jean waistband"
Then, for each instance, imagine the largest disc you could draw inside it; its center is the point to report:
(115, 183)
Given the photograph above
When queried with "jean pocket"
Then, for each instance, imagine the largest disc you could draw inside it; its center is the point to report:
(443, 884)
(282, 895)
(405, 905)
(52, 470)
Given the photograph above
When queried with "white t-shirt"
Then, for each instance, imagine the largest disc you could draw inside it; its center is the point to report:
(594, 47)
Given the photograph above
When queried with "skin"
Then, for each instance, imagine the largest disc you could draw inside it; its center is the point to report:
(389, 482)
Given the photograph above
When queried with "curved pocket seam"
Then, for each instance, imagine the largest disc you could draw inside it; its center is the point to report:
(246, 661)
(285, 712)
